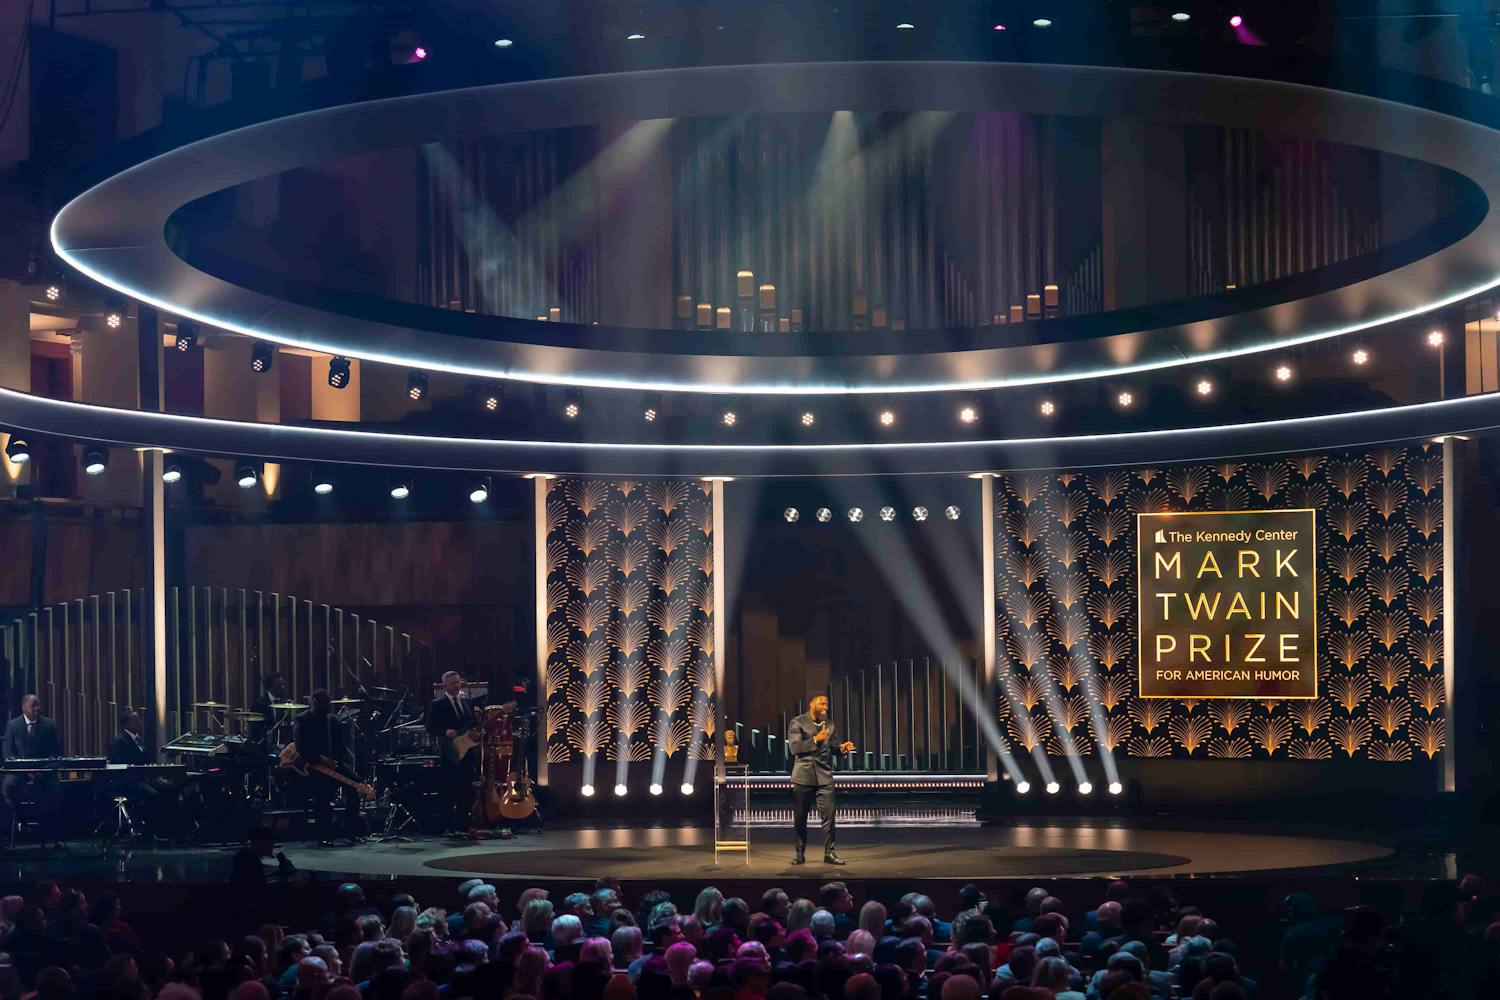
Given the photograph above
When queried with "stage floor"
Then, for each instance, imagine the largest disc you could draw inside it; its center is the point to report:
(1079, 850)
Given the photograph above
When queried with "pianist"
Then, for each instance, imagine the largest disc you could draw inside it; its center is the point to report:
(31, 735)
(129, 748)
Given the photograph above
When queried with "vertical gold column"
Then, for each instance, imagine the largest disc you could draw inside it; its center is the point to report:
(721, 615)
(987, 619)
(1450, 547)
(539, 528)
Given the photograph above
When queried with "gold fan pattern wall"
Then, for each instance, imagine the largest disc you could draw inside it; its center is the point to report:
(629, 619)
(1065, 616)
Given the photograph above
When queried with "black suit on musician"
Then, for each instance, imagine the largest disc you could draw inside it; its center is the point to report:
(33, 739)
(443, 714)
(812, 778)
(318, 735)
(128, 748)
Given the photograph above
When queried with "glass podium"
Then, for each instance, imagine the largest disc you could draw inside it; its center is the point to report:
(732, 811)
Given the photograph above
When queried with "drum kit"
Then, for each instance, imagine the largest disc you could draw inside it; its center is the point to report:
(391, 747)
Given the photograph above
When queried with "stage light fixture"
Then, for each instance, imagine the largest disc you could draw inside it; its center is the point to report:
(572, 404)
(887, 418)
(655, 788)
(503, 43)
(824, 515)
(1236, 20)
(489, 397)
(420, 52)
(322, 482)
(651, 407)
(114, 312)
(951, 512)
(416, 385)
(1085, 788)
(1125, 400)
(808, 418)
(856, 515)
(791, 514)
(246, 474)
(113, 320)
(479, 491)
(261, 356)
(172, 472)
(1042, 22)
(18, 450)
(1435, 338)
(1053, 788)
(919, 513)
(53, 293)
(999, 27)
(400, 488)
(1047, 408)
(1283, 373)
(634, 36)
(1204, 387)
(968, 414)
(905, 26)
(687, 788)
(728, 419)
(1022, 787)
(1115, 788)
(187, 335)
(587, 791)
(887, 513)
(1360, 356)
(95, 460)
(1181, 16)
(338, 372)
(620, 791)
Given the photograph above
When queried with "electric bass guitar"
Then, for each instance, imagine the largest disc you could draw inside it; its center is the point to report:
(301, 766)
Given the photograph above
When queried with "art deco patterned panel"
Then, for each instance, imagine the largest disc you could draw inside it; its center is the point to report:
(1066, 620)
(629, 620)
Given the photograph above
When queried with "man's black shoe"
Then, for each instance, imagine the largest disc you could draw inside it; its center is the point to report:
(833, 859)
(799, 860)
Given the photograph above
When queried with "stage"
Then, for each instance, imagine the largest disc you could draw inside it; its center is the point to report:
(1043, 849)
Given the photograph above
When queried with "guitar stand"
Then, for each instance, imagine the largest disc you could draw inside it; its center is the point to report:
(397, 819)
(118, 825)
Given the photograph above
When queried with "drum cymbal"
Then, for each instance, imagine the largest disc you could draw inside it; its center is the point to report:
(210, 704)
(288, 706)
(382, 690)
(347, 701)
(248, 716)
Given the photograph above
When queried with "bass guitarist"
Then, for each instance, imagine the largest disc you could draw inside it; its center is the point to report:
(321, 738)
(450, 716)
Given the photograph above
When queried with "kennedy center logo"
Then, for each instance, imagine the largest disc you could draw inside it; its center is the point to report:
(1228, 604)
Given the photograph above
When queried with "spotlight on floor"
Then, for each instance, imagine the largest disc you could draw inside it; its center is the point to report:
(1085, 788)
(919, 513)
(655, 788)
(172, 473)
(187, 335)
(1053, 788)
(1022, 787)
(261, 356)
(18, 450)
(951, 512)
(416, 386)
(856, 515)
(338, 372)
(620, 791)
(791, 514)
(887, 513)
(824, 515)
(1115, 788)
(479, 491)
(400, 488)
(246, 475)
(687, 788)
(95, 460)
(587, 791)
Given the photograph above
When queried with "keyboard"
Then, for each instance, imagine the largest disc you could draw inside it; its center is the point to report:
(35, 765)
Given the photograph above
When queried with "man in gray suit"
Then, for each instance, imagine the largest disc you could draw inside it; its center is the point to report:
(810, 739)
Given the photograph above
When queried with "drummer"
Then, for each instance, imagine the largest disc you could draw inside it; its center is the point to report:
(263, 711)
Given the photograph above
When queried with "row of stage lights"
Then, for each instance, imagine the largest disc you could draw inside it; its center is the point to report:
(1023, 787)
(857, 514)
(621, 790)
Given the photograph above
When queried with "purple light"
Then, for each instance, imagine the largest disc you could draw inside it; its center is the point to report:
(999, 27)
(420, 53)
(1236, 21)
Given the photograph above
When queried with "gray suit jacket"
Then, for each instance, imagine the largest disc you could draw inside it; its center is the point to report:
(813, 764)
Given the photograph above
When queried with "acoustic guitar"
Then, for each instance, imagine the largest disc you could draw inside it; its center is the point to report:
(300, 766)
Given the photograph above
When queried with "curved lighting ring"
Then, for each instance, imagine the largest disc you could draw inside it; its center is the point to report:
(1469, 415)
(114, 232)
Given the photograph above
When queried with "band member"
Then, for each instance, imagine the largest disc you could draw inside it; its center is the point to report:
(450, 715)
(130, 748)
(810, 739)
(273, 691)
(320, 734)
(32, 735)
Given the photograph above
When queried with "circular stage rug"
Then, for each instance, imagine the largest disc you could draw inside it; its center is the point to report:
(891, 860)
